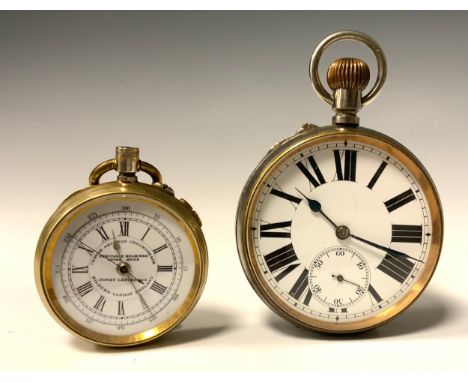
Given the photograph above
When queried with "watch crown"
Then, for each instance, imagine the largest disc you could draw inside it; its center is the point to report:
(127, 162)
(348, 73)
(348, 77)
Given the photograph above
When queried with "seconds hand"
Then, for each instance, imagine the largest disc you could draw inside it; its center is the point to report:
(315, 206)
(340, 278)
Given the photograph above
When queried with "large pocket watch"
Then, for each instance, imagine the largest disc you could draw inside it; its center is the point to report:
(121, 263)
(339, 228)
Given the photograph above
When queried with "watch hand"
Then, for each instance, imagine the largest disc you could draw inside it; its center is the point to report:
(386, 249)
(340, 278)
(315, 206)
(104, 257)
(143, 301)
(92, 249)
(116, 246)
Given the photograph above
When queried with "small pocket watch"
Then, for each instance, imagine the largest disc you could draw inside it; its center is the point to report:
(123, 262)
(339, 228)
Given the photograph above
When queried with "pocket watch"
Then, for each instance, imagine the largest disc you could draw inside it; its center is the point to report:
(121, 263)
(339, 228)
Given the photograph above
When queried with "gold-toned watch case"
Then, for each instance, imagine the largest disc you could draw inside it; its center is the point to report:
(157, 195)
(310, 135)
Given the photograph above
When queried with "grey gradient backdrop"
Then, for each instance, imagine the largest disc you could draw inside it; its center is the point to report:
(204, 95)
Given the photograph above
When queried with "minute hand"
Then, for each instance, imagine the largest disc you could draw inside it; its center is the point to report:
(386, 249)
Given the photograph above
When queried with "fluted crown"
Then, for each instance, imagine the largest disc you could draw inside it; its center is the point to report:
(348, 73)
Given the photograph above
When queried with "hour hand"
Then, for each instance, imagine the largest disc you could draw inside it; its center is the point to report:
(315, 206)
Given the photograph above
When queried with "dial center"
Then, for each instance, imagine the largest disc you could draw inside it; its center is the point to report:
(123, 268)
(352, 207)
(342, 232)
(339, 278)
(112, 271)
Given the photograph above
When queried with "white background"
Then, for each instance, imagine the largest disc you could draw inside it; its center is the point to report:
(204, 96)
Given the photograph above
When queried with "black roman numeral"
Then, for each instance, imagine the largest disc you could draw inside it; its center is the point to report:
(120, 308)
(100, 303)
(281, 257)
(400, 200)
(165, 268)
(158, 287)
(405, 233)
(374, 293)
(87, 249)
(265, 229)
(286, 271)
(349, 173)
(286, 196)
(316, 182)
(159, 249)
(307, 298)
(377, 174)
(397, 267)
(124, 226)
(102, 232)
(84, 289)
(300, 285)
(80, 269)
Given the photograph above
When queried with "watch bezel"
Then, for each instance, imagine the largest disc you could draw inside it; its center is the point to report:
(269, 164)
(92, 196)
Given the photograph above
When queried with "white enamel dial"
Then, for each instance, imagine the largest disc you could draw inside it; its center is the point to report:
(340, 231)
(122, 266)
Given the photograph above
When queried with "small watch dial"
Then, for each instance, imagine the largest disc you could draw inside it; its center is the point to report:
(340, 231)
(122, 266)
(339, 278)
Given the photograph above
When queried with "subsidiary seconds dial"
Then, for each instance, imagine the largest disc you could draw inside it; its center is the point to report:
(338, 278)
